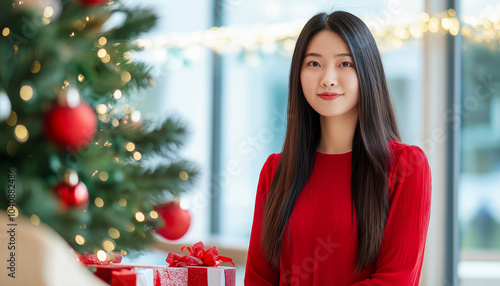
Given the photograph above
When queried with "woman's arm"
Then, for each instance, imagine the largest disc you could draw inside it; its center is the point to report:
(258, 271)
(402, 251)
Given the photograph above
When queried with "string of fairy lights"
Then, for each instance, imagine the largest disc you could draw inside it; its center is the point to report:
(281, 37)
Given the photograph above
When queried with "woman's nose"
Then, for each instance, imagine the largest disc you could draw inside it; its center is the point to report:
(329, 78)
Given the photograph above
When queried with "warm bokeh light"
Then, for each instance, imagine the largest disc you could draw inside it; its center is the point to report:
(26, 92)
(21, 133)
(99, 202)
(153, 214)
(117, 94)
(114, 233)
(130, 146)
(102, 41)
(104, 176)
(139, 216)
(79, 239)
(101, 255)
(5, 32)
(108, 245)
(35, 68)
(122, 202)
(183, 175)
(12, 120)
(101, 53)
(35, 220)
(126, 77)
(137, 156)
(101, 108)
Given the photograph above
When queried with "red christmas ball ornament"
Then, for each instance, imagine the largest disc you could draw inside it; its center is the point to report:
(71, 123)
(177, 220)
(93, 2)
(71, 192)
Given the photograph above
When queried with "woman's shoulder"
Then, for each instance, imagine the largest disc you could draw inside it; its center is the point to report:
(409, 171)
(406, 155)
(399, 149)
(267, 172)
(271, 162)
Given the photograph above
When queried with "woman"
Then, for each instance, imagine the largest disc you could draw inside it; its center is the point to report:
(345, 203)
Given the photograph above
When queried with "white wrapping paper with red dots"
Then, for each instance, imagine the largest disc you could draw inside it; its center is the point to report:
(171, 276)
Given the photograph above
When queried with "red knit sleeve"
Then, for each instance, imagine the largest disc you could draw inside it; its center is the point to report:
(258, 271)
(402, 251)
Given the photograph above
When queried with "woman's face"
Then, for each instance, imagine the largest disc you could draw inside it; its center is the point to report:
(329, 80)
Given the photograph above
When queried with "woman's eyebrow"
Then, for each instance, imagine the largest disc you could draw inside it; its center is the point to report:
(320, 56)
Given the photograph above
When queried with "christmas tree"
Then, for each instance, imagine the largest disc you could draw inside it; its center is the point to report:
(74, 153)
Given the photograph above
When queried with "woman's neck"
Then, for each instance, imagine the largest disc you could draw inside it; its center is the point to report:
(337, 133)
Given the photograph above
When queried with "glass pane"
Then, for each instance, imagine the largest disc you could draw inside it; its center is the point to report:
(184, 91)
(479, 191)
(255, 92)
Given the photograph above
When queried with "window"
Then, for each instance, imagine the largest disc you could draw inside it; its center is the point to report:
(183, 90)
(479, 192)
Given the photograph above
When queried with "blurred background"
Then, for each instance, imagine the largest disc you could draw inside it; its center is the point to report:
(445, 85)
(222, 67)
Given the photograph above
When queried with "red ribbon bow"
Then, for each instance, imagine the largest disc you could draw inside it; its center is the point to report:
(197, 256)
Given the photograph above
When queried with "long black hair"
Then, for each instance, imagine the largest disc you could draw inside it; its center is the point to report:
(370, 149)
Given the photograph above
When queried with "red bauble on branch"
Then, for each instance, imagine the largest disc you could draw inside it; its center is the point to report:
(71, 123)
(92, 2)
(71, 192)
(177, 220)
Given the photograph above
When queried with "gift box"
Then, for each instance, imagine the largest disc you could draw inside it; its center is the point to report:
(199, 268)
(146, 275)
(203, 275)
(162, 275)
(123, 277)
(138, 277)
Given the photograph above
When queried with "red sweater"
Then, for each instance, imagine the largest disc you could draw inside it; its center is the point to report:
(320, 240)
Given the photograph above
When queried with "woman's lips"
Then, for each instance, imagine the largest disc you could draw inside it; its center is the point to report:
(329, 95)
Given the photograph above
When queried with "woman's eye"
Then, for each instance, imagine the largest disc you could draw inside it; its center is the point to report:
(313, 64)
(346, 64)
